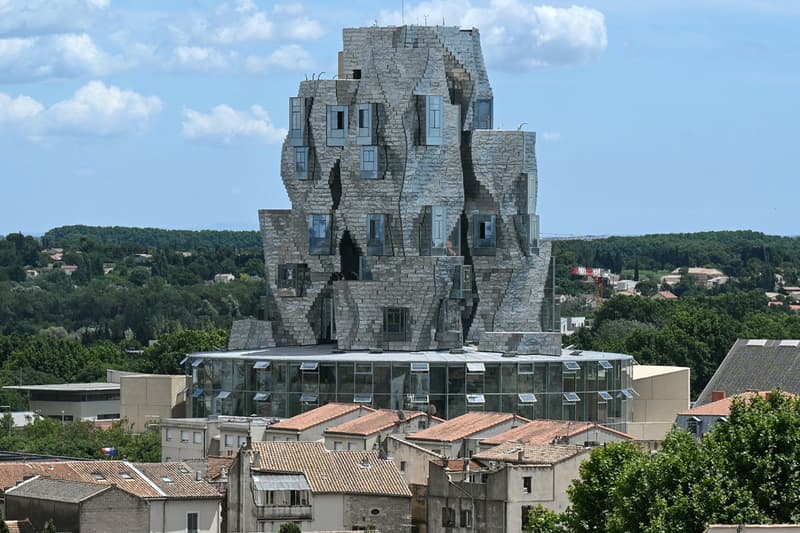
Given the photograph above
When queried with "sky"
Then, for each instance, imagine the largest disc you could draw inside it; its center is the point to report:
(651, 117)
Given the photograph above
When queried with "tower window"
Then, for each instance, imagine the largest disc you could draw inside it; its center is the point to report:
(337, 125)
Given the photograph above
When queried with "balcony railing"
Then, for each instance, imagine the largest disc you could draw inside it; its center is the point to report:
(281, 512)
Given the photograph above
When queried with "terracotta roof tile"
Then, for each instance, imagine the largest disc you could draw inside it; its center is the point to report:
(320, 415)
(372, 423)
(456, 465)
(215, 465)
(346, 472)
(545, 432)
(533, 454)
(463, 426)
(723, 407)
(176, 480)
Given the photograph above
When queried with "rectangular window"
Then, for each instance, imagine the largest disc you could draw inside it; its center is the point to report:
(476, 367)
(402, 466)
(606, 365)
(476, 399)
(229, 441)
(433, 120)
(527, 484)
(168, 434)
(438, 230)
(483, 114)
(369, 162)
(604, 395)
(351, 446)
(301, 162)
(525, 368)
(184, 436)
(571, 366)
(448, 517)
(526, 397)
(337, 125)
(192, 523)
(337, 445)
(376, 235)
(297, 121)
(365, 116)
(395, 323)
(319, 234)
(484, 234)
(240, 440)
(466, 518)
(420, 367)
(198, 437)
(309, 366)
(526, 510)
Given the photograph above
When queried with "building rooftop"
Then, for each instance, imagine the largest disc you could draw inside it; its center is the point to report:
(532, 454)
(723, 407)
(67, 387)
(756, 364)
(130, 477)
(547, 431)
(464, 426)
(320, 415)
(375, 422)
(58, 490)
(651, 371)
(325, 353)
(345, 472)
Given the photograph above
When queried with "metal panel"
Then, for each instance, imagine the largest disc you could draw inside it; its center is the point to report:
(476, 367)
(280, 482)
(261, 364)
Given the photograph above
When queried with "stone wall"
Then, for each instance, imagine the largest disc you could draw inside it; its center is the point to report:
(389, 514)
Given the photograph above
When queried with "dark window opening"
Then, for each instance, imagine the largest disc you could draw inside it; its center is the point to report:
(349, 254)
(340, 120)
(395, 323)
(527, 484)
(363, 121)
(356, 73)
(483, 230)
(335, 183)
(448, 517)
(192, 523)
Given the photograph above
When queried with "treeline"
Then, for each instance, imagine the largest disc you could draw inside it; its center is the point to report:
(696, 332)
(751, 257)
(742, 472)
(151, 237)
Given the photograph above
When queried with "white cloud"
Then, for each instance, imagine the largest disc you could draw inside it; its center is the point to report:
(25, 18)
(516, 34)
(201, 58)
(287, 57)
(53, 56)
(95, 110)
(225, 125)
(550, 136)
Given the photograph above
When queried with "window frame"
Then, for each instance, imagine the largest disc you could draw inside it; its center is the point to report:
(368, 162)
(337, 119)
(192, 517)
(396, 322)
(301, 163)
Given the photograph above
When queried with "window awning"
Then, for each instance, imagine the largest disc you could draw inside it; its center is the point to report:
(526, 397)
(604, 395)
(197, 362)
(628, 393)
(605, 364)
(420, 367)
(309, 366)
(280, 482)
(223, 394)
(261, 364)
(572, 397)
(572, 366)
(197, 393)
(362, 398)
(476, 399)
(308, 398)
(261, 396)
(476, 367)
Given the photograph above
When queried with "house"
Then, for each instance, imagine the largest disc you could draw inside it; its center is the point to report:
(24, 418)
(146, 399)
(570, 324)
(271, 483)
(459, 436)
(625, 285)
(177, 498)
(701, 419)
(660, 393)
(756, 364)
(69, 269)
(77, 506)
(513, 478)
(224, 278)
(312, 424)
(664, 295)
(708, 277)
(556, 432)
(365, 432)
(195, 439)
(68, 402)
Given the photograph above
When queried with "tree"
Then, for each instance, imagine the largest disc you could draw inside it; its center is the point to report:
(3, 526)
(164, 356)
(647, 287)
(49, 527)
(543, 520)
(289, 527)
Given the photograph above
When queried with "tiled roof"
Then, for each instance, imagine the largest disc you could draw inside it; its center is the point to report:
(372, 423)
(320, 415)
(58, 490)
(19, 526)
(545, 431)
(456, 465)
(346, 472)
(667, 294)
(463, 426)
(533, 454)
(753, 364)
(723, 407)
(215, 465)
(127, 476)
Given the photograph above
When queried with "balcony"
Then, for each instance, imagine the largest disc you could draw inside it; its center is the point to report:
(283, 512)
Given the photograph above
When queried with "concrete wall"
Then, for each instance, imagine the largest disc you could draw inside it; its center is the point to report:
(416, 460)
(174, 449)
(147, 398)
(662, 394)
(388, 514)
(114, 511)
(208, 514)
(65, 515)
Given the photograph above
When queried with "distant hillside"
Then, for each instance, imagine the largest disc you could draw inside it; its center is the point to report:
(155, 237)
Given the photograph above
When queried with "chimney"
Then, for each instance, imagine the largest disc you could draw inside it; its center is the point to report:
(520, 455)
(717, 395)
(198, 476)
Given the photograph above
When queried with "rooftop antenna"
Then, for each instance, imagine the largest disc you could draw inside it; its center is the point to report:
(425, 18)
(520, 125)
(403, 12)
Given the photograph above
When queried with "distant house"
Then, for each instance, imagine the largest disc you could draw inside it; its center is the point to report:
(271, 483)
(707, 277)
(498, 497)
(195, 439)
(756, 364)
(366, 431)
(664, 295)
(570, 324)
(700, 420)
(459, 436)
(69, 402)
(625, 285)
(311, 425)
(69, 269)
(224, 278)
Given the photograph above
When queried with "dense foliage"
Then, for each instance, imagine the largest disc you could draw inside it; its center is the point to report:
(751, 257)
(151, 237)
(79, 439)
(694, 331)
(744, 471)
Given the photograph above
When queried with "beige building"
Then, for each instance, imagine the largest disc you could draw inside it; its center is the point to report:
(497, 498)
(194, 439)
(319, 489)
(365, 432)
(459, 436)
(311, 425)
(148, 398)
(662, 392)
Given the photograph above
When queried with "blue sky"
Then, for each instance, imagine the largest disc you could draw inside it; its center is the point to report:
(656, 116)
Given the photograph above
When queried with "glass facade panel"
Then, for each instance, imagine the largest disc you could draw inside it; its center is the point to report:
(438, 376)
(455, 380)
(491, 378)
(327, 379)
